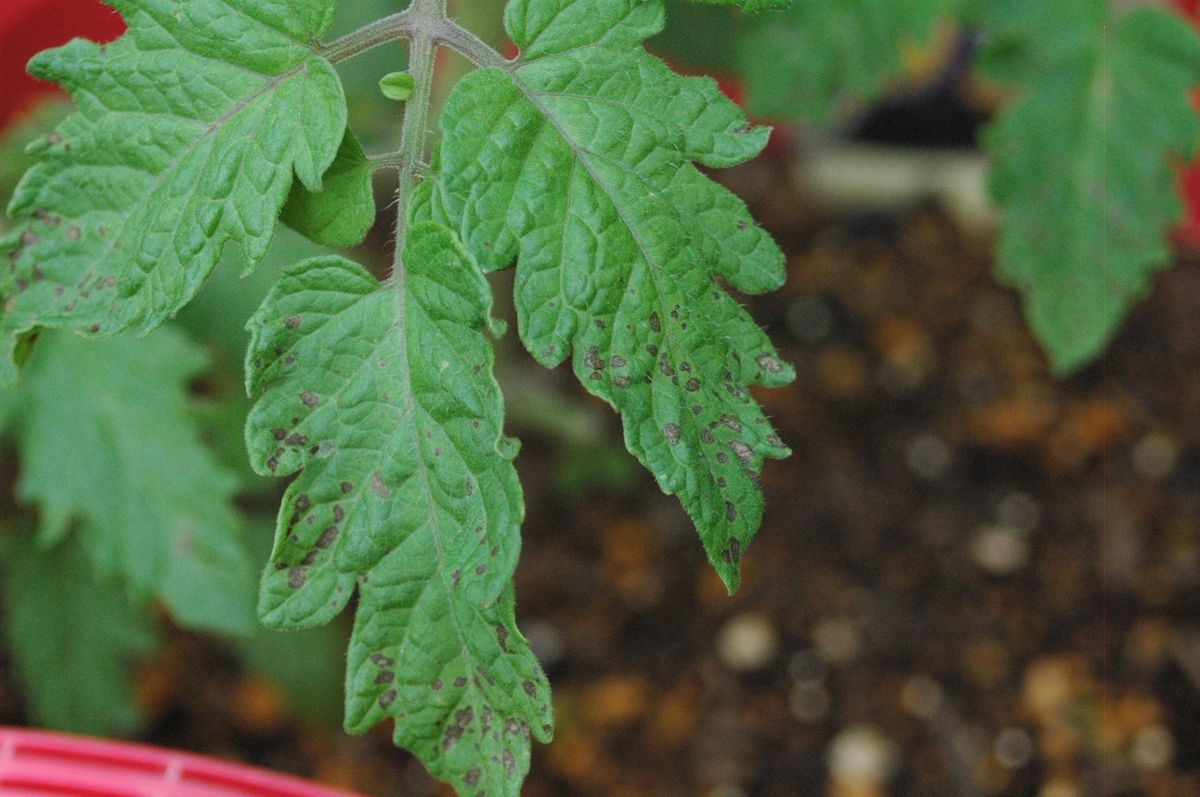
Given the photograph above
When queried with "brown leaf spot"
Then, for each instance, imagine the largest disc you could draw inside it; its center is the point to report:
(378, 487)
(744, 452)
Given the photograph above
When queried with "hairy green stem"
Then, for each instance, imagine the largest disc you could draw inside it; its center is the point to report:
(408, 24)
(427, 16)
(381, 31)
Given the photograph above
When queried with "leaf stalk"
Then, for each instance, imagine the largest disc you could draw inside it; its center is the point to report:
(408, 24)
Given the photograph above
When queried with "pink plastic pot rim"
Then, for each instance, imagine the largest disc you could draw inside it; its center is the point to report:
(43, 764)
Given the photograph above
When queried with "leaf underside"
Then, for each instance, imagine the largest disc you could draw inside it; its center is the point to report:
(382, 397)
(72, 638)
(1083, 162)
(188, 131)
(579, 164)
(108, 443)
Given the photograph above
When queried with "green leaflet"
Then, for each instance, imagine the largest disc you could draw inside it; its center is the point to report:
(382, 397)
(107, 440)
(577, 163)
(343, 211)
(1083, 161)
(72, 638)
(188, 131)
(805, 62)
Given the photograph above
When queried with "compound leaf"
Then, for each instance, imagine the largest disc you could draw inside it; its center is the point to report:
(577, 163)
(73, 639)
(188, 132)
(382, 397)
(107, 440)
(1083, 161)
(805, 62)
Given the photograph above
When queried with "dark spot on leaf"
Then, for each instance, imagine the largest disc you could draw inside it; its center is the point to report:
(437, 685)
(693, 385)
(722, 457)
(457, 578)
(593, 359)
(621, 381)
(327, 537)
(480, 569)
(731, 512)
(460, 682)
(380, 660)
(722, 483)
(652, 349)
(388, 698)
(502, 637)
(309, 398)
(455, 731)
(303, 502)
(347, 488)
(742, 226)
(385, 677)
(378, 487)
(297, 577)
(769, 363)
(510, 762)
(529, 687)
(655, 322)
(744, 452)
(292, 321)
(472, 776)
(707, 436)
(296, 439)
(279, 434)
(672, 432)
(775, 441)
(272, 464)
(732, 422)
(618, 361)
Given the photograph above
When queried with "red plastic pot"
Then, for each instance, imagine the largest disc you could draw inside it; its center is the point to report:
(40, 764)
(1189, 182)
(29, 26)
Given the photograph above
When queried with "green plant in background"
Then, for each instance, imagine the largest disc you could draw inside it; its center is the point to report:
(1083, 152)
(578, 162)
(575, 161)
